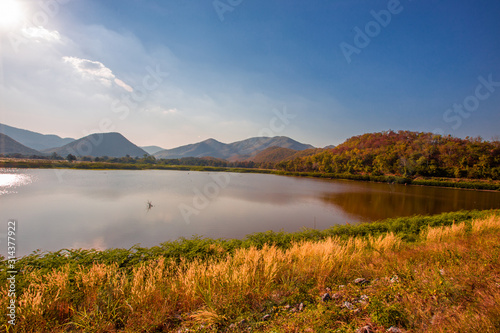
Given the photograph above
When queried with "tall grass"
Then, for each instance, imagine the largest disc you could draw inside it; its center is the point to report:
(447, 281)
(409, 229)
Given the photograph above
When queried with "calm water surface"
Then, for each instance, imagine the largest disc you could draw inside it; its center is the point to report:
(105, 209)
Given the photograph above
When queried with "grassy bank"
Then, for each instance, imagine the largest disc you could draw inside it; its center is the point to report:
(476, 184)
(57, 164)
(473, 184)
(435, 274)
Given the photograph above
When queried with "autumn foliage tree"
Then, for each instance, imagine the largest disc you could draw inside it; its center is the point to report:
(406, 153)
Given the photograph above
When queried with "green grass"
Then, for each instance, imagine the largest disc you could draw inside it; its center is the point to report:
(424, 273)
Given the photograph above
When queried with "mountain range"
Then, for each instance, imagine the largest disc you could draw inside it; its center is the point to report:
(34, 140)
(240, 150)
(20, 141)
(11, 146)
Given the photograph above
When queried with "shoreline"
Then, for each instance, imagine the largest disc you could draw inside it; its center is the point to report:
(459, 183)
(409, 228)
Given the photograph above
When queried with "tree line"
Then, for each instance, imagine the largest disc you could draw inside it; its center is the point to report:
(403, 153)
(407, 154)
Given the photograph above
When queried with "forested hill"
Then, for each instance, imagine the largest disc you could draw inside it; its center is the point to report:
(406, 154)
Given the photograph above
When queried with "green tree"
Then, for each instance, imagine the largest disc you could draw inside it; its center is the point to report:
(71, 158)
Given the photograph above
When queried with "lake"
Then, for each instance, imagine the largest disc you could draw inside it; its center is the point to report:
(58, 209)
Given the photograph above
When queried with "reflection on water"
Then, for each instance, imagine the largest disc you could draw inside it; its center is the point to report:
(108, 209)
(10, 179)
(380, 203)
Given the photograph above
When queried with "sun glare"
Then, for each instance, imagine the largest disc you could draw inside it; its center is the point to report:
(11, 13)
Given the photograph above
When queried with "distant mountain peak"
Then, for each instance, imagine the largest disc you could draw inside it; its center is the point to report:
(236, 150)
(152, 149)
(211, 140)
(32, 139)
(112, 144)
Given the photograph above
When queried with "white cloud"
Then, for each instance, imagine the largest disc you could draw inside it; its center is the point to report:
(93, 68)
(41, 33)
(170, 111)
(158, 110)
(124, 85)
(96, 70)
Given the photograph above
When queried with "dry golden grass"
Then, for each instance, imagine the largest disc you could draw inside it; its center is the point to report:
(487, 224)
(450, 282)
(441, 233)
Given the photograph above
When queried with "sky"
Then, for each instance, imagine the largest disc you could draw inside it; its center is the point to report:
(175, 72)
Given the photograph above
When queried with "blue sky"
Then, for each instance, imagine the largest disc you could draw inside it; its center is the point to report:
(72, 67)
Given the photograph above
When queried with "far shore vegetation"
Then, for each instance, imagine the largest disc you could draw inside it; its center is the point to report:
(182, 165)
(395, 157)
(413, 274)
